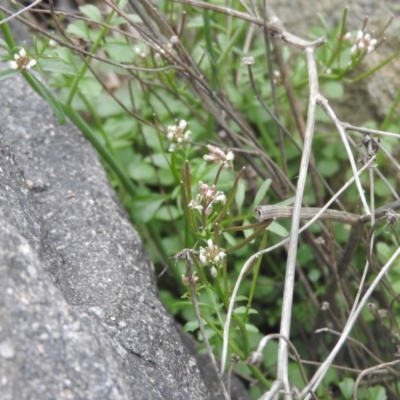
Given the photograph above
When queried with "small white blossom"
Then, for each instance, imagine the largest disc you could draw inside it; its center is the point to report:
(363, 43)
(210, 193)
(248, 60)
(178, 134)
(346, 37)
(22, 61)
(195, 204)
(216, 154)
(141, 53)
(211, 255)
(206, 198)
(174, 39)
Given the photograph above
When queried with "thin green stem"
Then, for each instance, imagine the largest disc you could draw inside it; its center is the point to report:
(8, 36)
(256, 270)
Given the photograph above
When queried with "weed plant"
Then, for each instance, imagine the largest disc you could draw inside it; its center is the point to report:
(204, 113)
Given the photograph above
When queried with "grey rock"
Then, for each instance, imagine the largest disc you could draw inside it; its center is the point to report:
(80, 317)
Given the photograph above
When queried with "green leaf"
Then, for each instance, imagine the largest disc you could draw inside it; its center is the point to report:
(287, 202)
(42, 91)
(251, 328)
(3, 43)
(7, 73)
(143, 208)
(79, 29)
(328, 167)
(117, 20)
(278, 229)
(242, 310)
(191, 326)
(240, 194)
(347, 387)
(141, 171)
(229, 238)
(122, 4)
(90, 87)
(170, 213)
(120, 52)
(262, 192)
(91, 12)
(57, 66)
(377, 393)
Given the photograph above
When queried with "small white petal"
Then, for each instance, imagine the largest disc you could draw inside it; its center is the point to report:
(182, 125)
(22, 53)
(172, 147)
(219, 197)
(230, 156)
(360, 35)
(210, 244)
(13, 65)
(214, 272)
(373, 43)
(202, 256)
(30, 64)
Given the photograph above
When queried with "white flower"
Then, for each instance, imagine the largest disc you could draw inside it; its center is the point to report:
(178, 134)
(248, 60)
(195, 204)
(211, 255)
(202, 256)
(346, 37)
(206, 198)
(364, 43)
(22, 61)
(216, 154)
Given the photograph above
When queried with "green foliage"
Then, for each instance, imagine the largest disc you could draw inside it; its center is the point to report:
(133, 105)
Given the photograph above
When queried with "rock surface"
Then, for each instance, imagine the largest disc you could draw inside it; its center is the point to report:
(80, 317)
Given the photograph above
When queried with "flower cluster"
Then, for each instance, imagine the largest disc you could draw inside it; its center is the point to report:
(216, 154)
(22, 61)
(164, 51)
(206, 198)
(178, 134)
(211, 255)
(363, 42)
